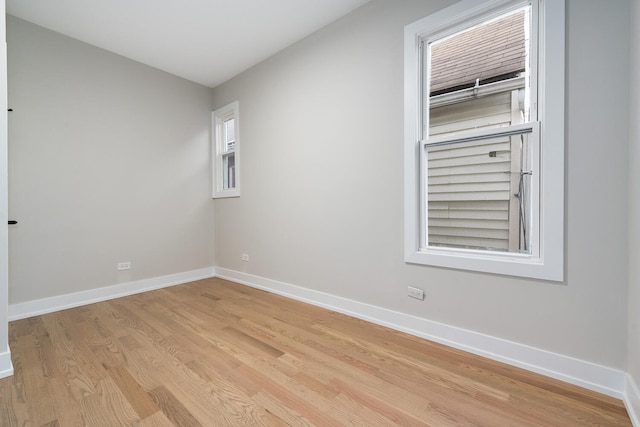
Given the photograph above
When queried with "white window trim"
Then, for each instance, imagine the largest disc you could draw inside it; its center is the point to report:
(217, 150)
(548, 262)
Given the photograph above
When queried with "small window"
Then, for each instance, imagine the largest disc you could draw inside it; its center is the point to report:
(226, 152)
(484, 138)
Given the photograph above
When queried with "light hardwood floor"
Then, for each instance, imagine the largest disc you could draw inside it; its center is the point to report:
(215, 353)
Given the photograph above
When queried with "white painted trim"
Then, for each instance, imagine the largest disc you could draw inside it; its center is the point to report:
(568, 369)
(547, 259)
(62, 302)
(5, 353)
(632, 400)
(6, 367)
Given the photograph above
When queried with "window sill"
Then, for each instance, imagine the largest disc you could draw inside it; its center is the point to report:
(518, 265)
(225, 194)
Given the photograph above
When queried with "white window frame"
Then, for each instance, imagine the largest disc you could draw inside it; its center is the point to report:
(547, 259)
(218, 151)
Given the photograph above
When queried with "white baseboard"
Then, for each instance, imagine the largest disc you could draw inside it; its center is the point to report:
(6, 367)
(568, 369)
(48, 305)
(632, 400)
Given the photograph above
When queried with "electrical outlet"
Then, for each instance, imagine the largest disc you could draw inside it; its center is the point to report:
(124, 265)
(245, 257)
(415, 292)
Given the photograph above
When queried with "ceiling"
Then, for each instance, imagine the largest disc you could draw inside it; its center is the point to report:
(205, 41)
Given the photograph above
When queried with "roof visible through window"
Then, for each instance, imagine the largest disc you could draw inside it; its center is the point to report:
(486, 53)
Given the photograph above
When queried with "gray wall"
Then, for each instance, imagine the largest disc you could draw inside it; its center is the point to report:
(634, 202)
(108, 162)
(322, 196)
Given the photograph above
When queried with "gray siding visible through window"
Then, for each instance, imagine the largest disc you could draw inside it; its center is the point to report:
(477, 81)
(470, 187)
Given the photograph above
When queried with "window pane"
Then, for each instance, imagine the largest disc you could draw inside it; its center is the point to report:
(478, 194)
(228, 171)
(229, 134)
(479, 78)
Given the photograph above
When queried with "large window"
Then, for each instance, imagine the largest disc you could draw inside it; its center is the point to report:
(226, 152)
(484, 136)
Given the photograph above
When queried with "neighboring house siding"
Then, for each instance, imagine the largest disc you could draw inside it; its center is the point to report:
(490, 111)
(470, 185)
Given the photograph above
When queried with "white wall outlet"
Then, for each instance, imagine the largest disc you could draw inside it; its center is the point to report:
(415, 292)
(245, 257)
(124, 265)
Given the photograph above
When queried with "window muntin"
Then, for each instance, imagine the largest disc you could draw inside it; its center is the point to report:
(535, 154)
(225, 149)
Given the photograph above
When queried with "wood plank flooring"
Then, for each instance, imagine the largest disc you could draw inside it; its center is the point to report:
(215, 353)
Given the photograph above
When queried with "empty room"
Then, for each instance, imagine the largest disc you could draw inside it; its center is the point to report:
(320, 212)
